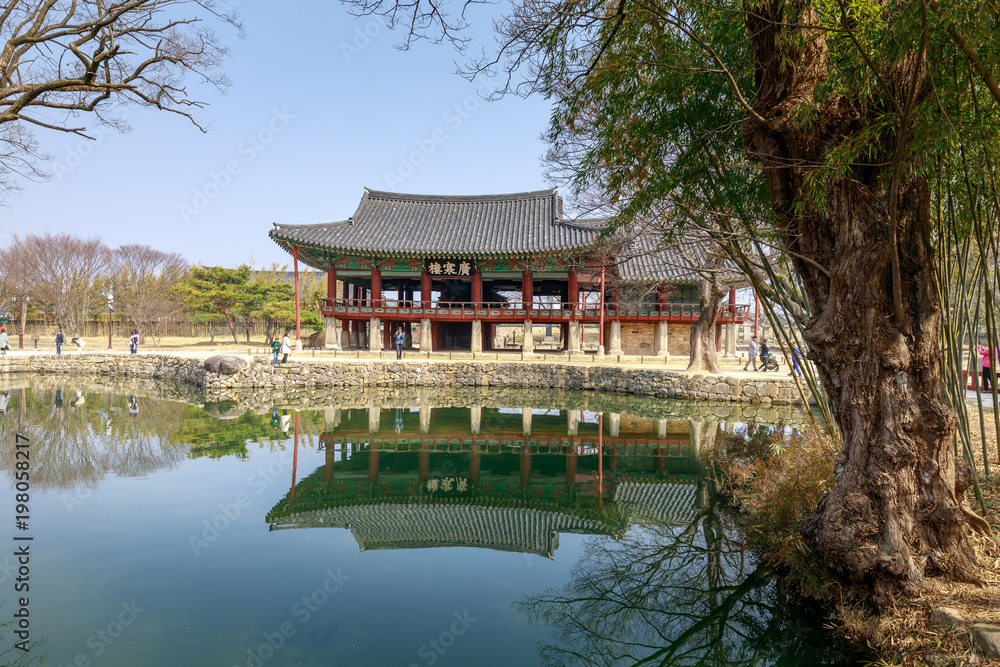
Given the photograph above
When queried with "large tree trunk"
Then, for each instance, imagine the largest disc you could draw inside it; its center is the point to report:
(703, 356)
(898, 513)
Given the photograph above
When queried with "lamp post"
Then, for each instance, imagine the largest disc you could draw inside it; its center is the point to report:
(111, 307)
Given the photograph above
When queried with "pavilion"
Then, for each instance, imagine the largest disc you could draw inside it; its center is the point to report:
(479, 273)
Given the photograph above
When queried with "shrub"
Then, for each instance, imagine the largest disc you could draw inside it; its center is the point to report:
(777, 478)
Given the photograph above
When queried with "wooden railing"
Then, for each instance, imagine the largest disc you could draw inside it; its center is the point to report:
(506, 311)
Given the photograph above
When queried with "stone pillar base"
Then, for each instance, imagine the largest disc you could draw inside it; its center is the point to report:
(615, 335)
(572, 423)
(660, 340)
(477, 335)
(425, 335)
(425, 419)
(528, 345)
(298, 345)
(476, 418)
(332, 334)
(574, 342)
(374, 335)
(614, 421)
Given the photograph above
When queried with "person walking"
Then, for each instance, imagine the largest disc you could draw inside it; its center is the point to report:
(59, 340)
(764, 354)
(986, 353)
(4, 342)
(275, 347)
(133, 341)
(752, 350)
(796, 355)
(286, 347)
(399, 338)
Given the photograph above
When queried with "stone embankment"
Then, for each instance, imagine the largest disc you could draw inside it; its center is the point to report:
(237, 373)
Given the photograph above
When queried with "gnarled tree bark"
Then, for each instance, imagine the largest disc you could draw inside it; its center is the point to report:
(898, 513)
(703, 355)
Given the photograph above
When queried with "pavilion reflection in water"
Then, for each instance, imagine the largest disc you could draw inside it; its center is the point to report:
(504, 479)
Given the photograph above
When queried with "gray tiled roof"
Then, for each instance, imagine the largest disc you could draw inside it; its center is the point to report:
(649, 258)
(481, 225)
(668, 504)
(415, 525)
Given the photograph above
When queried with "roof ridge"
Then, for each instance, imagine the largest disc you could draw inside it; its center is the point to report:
(509, 196)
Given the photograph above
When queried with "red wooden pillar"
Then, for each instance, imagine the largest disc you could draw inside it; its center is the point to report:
(295, 457)
(474, 463)
(600, 461)
(376, 287)
(328, 473)
(600, 339)
(732, 302)
(527, 289)
(477, 287)
(387, 333)
(425, 289)
(661, 298)
(574, 289)
(372, 465)
(571, 465)
(298, 319)
(525, 466)
(756, 312)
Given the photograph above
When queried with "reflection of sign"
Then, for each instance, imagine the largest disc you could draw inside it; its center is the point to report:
(446, 484)
(450, 268)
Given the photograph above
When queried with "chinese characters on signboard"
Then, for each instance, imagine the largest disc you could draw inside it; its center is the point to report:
(450, 268)
(460, 484)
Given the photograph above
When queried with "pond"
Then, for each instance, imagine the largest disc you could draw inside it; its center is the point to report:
(377, 526)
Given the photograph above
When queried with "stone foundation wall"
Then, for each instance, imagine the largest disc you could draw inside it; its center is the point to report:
(679, 339)
(637, 338)
(260, 374)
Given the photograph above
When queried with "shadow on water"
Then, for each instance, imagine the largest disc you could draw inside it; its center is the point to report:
(660, 578)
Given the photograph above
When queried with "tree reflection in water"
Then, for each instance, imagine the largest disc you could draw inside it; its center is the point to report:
(665, 595)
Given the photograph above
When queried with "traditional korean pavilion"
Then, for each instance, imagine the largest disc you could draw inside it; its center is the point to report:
(487, 272)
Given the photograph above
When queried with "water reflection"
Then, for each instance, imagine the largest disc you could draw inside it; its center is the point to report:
(510, 479)
(79, 436)
(658, 579)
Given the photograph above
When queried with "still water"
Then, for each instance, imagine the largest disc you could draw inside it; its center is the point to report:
(377, 527)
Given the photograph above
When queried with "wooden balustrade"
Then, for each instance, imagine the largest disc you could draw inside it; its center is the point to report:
(395, 309)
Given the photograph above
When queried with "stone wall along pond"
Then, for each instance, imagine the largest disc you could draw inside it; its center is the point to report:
(229, 372)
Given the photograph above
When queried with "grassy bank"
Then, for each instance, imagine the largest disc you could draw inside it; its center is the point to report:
(778, 479)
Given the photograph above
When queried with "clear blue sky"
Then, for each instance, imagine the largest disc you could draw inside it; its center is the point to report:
(330, 114)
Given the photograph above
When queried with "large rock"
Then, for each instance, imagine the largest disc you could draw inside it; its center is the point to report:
(946, 617)
(987, 638)
(226, 364)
